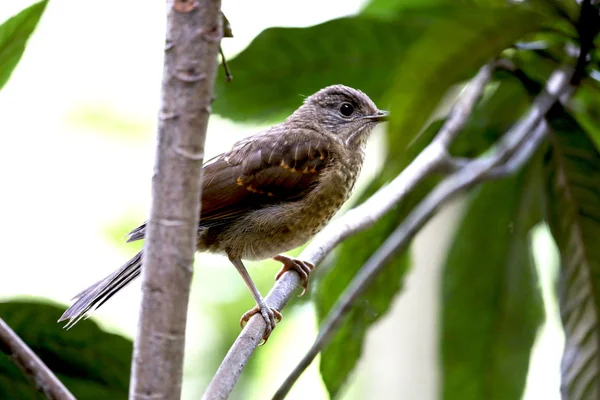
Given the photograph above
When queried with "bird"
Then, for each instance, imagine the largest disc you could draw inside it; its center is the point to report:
(270, 193)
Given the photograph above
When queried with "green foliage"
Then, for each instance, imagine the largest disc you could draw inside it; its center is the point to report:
(14, 34)
(491, 304)
(91, 363)
(572, 171)
(586, 110)
(450, 42)
(387, 8)
(109, 122)
(283, 65)
(116, 231)
(447, 53)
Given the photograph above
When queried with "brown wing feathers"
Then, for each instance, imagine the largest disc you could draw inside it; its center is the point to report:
(256, 174)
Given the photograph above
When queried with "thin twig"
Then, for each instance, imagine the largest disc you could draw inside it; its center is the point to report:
(521, 156)
(473, 173)
(193, 35)
(228, 76)
(31, 365)
(431, 159)
(461, 112)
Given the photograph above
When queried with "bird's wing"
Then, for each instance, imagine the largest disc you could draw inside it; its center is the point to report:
(259, 171)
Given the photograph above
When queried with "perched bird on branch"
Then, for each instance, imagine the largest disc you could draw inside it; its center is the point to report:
(270, 193)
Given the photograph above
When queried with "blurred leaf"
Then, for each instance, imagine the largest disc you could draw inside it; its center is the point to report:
(445, 54)
(283, 65)
(490, 119)
(586, 110)
(92, 364)
(539, 65)
(116, 230)
(491, 306)
(568, 9)
(109, 121)
(14, 34)
(496, 112)
(572, 171)
(385, 8)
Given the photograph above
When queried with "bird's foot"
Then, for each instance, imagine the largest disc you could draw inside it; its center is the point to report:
(269, 314)
(303, 268)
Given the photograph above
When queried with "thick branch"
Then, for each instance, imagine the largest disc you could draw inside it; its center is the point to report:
(192, 45)
(527, 129)
(433, 158)
(17, 350)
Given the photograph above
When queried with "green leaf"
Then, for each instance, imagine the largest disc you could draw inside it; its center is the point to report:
(91, 363)
(567, 8)
(586, 110)
(108, 121)
(283, 65)
(383, 8)
(14, 34)
(572, 172)
(491, 305)
(491, 118)
(495, 114)
(446, 54)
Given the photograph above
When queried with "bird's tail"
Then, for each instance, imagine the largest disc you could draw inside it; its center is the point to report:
(94, 296)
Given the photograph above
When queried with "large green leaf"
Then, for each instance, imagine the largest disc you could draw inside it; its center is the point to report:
(491, 305)
(14, 34)
(586, 109)
(385, 8)
(491, 118)
(91, 363)
(435, 47)
(573, 199)
(283, 65)
(496, 112)
(446, 54)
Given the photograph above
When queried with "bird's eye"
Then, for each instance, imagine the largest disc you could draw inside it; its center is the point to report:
(346, 109)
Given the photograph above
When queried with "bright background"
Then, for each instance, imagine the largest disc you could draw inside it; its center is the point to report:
(78, 128)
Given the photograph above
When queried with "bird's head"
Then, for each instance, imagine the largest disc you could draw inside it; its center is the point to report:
(343, 112)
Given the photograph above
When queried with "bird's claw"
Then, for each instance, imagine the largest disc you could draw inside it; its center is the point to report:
(303, 268)
(269, 314)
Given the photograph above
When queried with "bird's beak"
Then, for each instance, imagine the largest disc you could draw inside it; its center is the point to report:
(381, 116)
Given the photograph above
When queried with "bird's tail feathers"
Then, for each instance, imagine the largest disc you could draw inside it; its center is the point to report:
(94, 296)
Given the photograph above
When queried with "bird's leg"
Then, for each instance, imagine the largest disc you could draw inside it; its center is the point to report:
(270, 315)
(303, 268)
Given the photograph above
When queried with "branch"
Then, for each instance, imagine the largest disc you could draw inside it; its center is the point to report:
(433, 158)
(193, 36)
(527, 129)
(17, 350)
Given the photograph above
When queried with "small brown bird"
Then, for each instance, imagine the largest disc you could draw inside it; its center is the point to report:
(270, 193)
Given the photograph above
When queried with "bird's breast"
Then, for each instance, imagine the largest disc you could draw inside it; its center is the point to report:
(281, 227)
(290, 225)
